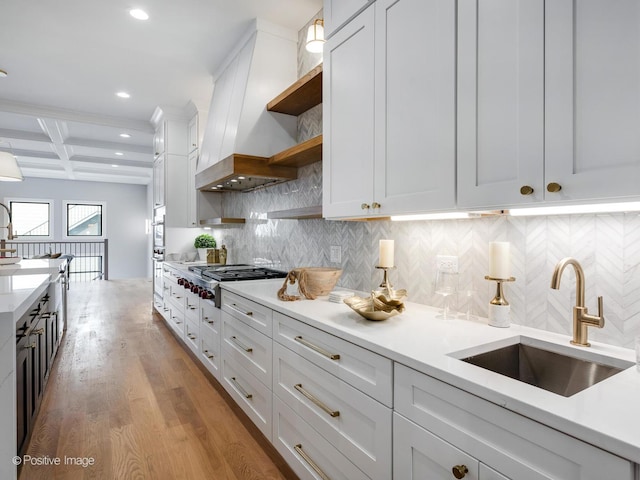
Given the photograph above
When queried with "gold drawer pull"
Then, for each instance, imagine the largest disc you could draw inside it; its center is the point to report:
(375, 205)
(459, 471)
(239, 343)
(209, 355)
(240, 389)
(210, 322)
(191, 307)
(191, 336)
(321, 351)
(526, 190)
(39, 331)
(312, 464)
(246, 313)
(365, 206)
(332, 413)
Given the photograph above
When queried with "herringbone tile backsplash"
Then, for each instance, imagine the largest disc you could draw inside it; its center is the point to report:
(607, 246)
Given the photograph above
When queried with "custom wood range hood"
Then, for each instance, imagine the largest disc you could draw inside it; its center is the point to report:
(243, 173)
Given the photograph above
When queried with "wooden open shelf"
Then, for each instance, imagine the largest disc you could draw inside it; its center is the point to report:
(305, 93)
(303, 213)
(299, 155)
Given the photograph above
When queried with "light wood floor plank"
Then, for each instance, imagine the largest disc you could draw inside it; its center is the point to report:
(125, 393)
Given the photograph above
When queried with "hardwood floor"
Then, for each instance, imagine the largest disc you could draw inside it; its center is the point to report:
(124, 393)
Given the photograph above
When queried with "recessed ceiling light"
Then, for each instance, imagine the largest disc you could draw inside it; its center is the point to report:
(123, 95)
(3, 73)
(119, 154)
(125, 135)
(139, 14)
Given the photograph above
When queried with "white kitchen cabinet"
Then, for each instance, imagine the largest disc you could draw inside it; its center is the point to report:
(547, 102)
(192, 193)
(500, 102)
(415, 125)
(248, 347)
(210, 329)
(337, 12)
(356, 423)
(192, 134)
(159, 139)
(158, 181)
(307, 452)
(389, 117)
(592, 93)
(513, 445)
(348, 122)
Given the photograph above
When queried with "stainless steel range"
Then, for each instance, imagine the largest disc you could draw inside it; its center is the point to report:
(206, 279)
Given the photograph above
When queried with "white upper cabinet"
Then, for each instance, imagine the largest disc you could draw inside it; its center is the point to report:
(500, 102)
(348, 98)
(192, 136)
(415, 52)
(389, 111)
(592, 89)
(337, 12)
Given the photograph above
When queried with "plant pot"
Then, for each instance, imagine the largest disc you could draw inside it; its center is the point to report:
(202, 254)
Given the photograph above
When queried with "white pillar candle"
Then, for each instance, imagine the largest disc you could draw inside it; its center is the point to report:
(386, 253)
(499, 260)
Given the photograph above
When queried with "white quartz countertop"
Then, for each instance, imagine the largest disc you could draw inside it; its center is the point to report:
(606, 415)
(33, 266)
(18, 292)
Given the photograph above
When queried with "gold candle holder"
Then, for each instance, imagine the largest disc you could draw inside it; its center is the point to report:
(386, 286)
(499, 309)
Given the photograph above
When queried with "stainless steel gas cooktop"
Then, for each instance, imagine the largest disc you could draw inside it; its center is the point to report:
(230, 273)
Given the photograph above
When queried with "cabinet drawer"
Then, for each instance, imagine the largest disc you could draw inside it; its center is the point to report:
(251, 313)
(516, 446)
(306, 451)
(192, 335)
(250, 394)
(367, 371)
(192, 304)
(176, 321)
(358, 425)
(249, 348)
(210, 356)
(210, 321)
(418, 454)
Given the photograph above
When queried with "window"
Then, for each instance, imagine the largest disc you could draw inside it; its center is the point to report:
(84, 219)
(31, 218)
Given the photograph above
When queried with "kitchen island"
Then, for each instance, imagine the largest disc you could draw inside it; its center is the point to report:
(421, 344)
(29, 287)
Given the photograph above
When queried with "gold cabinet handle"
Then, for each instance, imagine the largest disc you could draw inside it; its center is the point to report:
(526, 190)
(332, 413)
(191, 307)
(240, 389)
(554, 187)
(39, 331)
(459, 471)
(210, 322)
(315, 348)
(246, 313)
(191, 336)
(375, 205)
(365, 206)
(209, 355)
(235, 340)
(312, 464)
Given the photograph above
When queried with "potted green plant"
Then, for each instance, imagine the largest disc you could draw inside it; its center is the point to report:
(202, 243)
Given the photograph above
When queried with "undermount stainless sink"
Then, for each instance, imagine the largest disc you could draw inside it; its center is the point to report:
(554, 372)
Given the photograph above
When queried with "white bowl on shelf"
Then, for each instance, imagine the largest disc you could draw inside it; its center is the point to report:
(9, 260)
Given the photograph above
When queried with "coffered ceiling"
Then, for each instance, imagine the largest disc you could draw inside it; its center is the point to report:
(59, 113)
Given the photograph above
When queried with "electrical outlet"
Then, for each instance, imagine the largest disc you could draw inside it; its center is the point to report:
(335, 254)
(447, 262)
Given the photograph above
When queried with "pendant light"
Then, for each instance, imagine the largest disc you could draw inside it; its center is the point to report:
(9, 169)
(315, 36)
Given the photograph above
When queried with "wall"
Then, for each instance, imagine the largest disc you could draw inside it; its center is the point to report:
(126, 212)
(608, 247)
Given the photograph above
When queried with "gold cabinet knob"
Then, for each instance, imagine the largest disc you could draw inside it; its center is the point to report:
(375, 205)
(554, 187)
(526, 190)
(459, 471)
(365, 206)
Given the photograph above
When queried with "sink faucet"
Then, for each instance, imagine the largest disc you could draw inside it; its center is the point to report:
(9, 227)
(581, 318)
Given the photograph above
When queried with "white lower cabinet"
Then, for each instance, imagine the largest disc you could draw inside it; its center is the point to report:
(210, 329)
(307, 452)
(515, 446)
(356, 424)
(251, 395)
